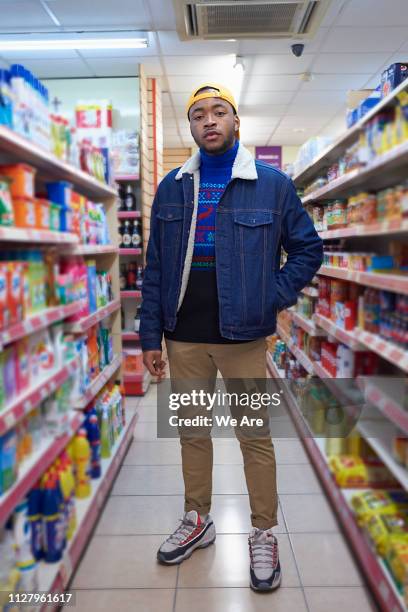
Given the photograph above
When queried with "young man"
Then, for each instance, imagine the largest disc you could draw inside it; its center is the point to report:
(213, 286)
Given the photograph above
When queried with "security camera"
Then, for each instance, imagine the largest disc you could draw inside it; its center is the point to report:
(297, 49)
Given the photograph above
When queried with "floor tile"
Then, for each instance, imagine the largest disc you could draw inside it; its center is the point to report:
(232, 514)
(352, 599)
(147, 430)
(289, 451)
(153, 453)
(125, 600)
(239, 600)
(308, 513)
(226, 564)
(146, 413)
(123, 562)
(297, 479)
(324, 560)
(149, 480)
(141, 514)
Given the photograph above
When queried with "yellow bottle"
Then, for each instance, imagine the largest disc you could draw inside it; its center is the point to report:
(82, 455)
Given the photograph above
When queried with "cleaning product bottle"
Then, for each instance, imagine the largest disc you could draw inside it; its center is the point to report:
(52, 523)
(72, 518)
(9, 573)
(25, 561)
(82, 453)
(94, 439)
(105, 440)
(35, 518)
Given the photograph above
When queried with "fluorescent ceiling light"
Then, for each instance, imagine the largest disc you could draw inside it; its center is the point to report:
(50, 44)
(235, 76)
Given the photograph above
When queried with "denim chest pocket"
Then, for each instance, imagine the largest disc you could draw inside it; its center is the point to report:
(254, 231)
(171, 223)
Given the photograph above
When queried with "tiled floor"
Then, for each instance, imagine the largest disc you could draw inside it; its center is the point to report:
(119, 569)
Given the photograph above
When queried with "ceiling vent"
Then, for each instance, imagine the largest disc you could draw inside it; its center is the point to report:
(225, 19)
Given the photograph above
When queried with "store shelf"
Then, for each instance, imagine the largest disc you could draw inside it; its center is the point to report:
(130, 251)
(37, 322)
(35, 465)
(129, 214)
(36, 236)
(311, 292)
(130, 294)
(306, 324)
(32, 397)
(99, 382)
(93, 249)
(394, 226)
(297, 352)
(387, 395)
(137, 384)
(127, 178)
(388, 282)
(54, 577)
(386, 350)
(375, 570)
(346, 337)
(383, 171)
(22, 150)
(86, 322)
(334, 151)
(128, 336)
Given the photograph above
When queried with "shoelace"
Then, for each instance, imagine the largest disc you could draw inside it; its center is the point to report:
(263, 549)
(185, 528)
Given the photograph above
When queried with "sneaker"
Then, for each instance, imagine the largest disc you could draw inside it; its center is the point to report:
(265, 571)
(192, 533)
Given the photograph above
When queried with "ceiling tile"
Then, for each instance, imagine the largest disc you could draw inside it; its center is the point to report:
(171, 45)
(272, 82)
(139, 53)
(375, 13)
(280, 45)
(55, 69)
(334, 82)
(164, 17)
(130, 14)
(281, 64)
(114, 67)
(333, 12)
(22, 56)
(266, 97)
(209, 65)
(187, 83)
(365, 40)
(349, 63)
(16, 14)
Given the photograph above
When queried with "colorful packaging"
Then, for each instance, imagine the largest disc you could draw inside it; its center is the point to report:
(372, 503)
(8, 460)
(382, 527)
(22, 177)
(6, 204)
(353, 472)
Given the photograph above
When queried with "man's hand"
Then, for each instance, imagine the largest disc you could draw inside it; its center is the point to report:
(154, 363)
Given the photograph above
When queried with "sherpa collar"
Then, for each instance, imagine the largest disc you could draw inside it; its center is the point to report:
(243, 166)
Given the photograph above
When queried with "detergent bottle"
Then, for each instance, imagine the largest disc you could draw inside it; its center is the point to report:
(105, 439)
(82, 454)
(53, 524)
(25, 561)
(35, 518)
(94, 438)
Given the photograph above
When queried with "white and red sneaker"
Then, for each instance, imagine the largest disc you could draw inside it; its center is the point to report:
(193, 532)
(265, 569)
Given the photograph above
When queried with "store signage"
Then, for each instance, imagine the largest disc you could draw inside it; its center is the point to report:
(270, 155)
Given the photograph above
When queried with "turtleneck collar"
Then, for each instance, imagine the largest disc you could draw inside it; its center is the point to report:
(224, 160)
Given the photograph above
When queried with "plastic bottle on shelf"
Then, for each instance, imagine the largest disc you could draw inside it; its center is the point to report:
(9, 574)
(94, 439)
(105, 438)
(36, 522)
(25, 561)
(53, 524)
(82, 454)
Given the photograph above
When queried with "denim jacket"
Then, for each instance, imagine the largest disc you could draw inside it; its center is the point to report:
(258, 213)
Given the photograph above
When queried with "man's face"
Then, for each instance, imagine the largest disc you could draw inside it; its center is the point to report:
(213, 125)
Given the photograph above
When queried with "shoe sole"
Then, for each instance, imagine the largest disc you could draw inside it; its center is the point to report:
(186, 555)
(266, 588)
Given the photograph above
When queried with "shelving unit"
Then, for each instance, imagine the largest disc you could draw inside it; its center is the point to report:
(131, 214)
(130, 294)
(306, 324)
(86, 322)
(377, 424)
(54, 577)
(373, 566)
(130, 251)
(98, 383)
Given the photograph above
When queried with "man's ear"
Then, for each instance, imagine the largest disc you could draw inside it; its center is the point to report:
(237, 123)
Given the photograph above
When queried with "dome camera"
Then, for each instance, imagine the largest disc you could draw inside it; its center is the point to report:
(297, 49)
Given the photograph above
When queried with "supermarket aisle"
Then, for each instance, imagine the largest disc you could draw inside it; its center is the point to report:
(119, 569)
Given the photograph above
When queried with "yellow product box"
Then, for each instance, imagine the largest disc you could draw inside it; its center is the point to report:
(382, 527)
(397, 559)
(371, 503)
(351, 471)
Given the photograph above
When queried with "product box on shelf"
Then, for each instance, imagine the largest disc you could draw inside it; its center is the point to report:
(392, 77)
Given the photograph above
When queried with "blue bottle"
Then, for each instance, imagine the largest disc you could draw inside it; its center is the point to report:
(53, 525)
(94, 439)
(35, 518)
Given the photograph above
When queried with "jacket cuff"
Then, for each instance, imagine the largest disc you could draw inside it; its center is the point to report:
(151, 343)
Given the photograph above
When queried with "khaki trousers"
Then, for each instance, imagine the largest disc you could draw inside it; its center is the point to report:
(188, 360)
